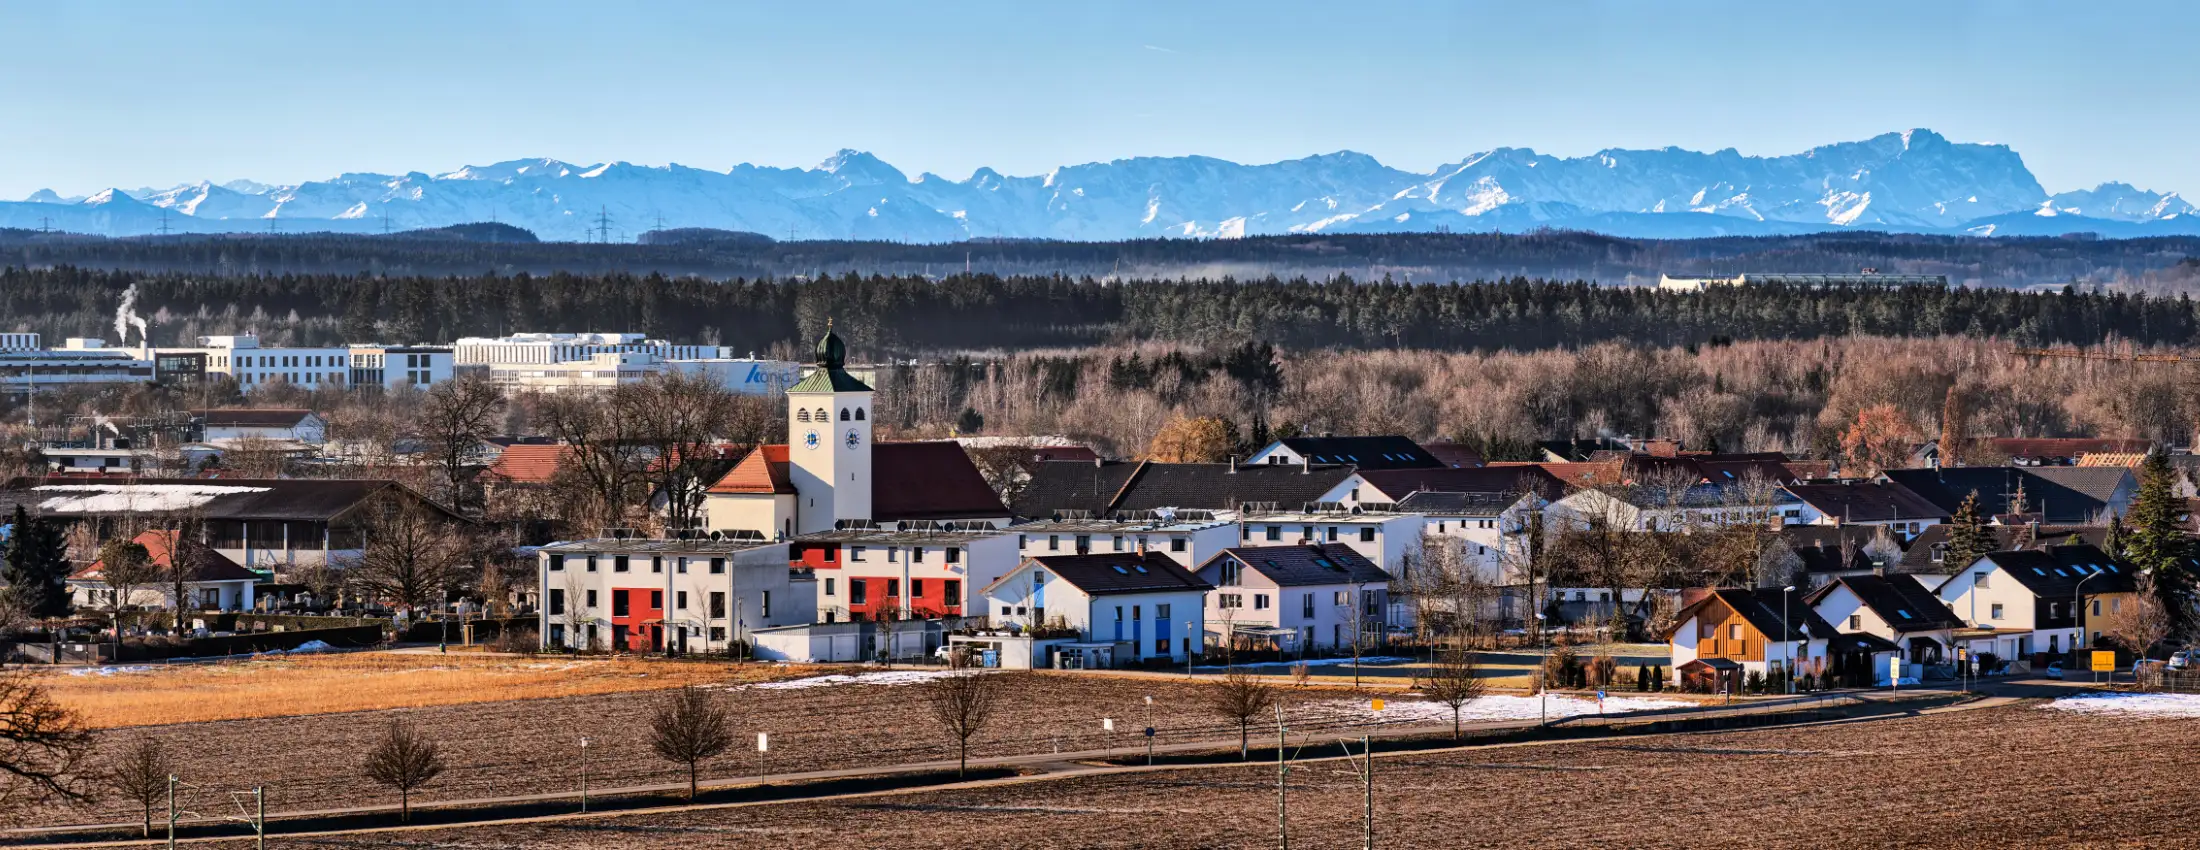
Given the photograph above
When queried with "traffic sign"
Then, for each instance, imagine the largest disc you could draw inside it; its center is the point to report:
(1377, 704)
(2104, 661)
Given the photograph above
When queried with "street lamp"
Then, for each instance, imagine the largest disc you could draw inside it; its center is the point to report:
(1787, 649)
(2077, 627)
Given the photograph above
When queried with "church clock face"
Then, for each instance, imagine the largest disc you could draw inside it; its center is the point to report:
(810, 439)
(853, 439)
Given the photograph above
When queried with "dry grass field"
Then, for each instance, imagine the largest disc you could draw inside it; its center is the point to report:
(530, 746)
(149, 695)
(2016, 776)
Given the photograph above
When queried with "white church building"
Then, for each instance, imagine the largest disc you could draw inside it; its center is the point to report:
(832, 475)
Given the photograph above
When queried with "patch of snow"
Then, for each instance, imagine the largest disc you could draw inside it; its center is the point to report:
(112, 671)
(2146, 705)
(883, 677)
(307, 648)
(1497, 707)
(117, 498)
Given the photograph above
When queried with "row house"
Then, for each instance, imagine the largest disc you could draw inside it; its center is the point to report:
(667, 595)
(914, 572)
(1188, 537)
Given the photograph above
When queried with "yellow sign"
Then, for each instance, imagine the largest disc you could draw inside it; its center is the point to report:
(1377, 705)
(2104, 662)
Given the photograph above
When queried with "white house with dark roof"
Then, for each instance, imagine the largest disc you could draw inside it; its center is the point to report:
(2030, 601)
(1384, 452)
(1188, 537)
(1142, 604)
(231, 424)
(1895, 608)
(1491, 529)
(1388, 538)
(1296, 598)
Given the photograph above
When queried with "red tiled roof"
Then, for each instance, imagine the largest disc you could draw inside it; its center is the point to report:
(763, 471)
(528, 464)
(929, 480)
(212, 566)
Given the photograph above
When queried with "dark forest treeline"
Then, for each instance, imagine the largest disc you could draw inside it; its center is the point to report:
(1424, 257)
(901, 316)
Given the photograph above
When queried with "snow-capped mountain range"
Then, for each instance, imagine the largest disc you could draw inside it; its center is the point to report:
(1916, 181)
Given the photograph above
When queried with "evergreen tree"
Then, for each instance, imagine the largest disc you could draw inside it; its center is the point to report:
(2158, 545)
(1967, 535)
(37, 568)
(2112, 543)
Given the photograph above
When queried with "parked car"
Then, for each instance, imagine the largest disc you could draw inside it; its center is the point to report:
(2182, 659)
(2054, 670)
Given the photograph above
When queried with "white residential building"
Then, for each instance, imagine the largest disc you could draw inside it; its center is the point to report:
(2025, 602)
(1187, 537)
(1296, 598)
(652, 595)
(871, 574)
(1390, 539)
(1142, 604)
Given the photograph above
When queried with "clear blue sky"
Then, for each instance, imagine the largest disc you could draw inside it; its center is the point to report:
(94, 94)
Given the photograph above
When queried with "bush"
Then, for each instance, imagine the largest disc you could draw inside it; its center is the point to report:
(1755, 683)
(520, 640)
(1562, 668)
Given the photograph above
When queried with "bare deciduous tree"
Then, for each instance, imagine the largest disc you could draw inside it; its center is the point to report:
(1239, 697)
(456, 416)
(405, 760)
(1454, 680)
(962, 702)
(607, 463)
(413, 557)
(125, 566)
(679, 416)
(688, 727)
(139, 773)
(42, 746)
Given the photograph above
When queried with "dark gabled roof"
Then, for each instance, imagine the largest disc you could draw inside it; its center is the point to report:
(1440, 503)
(1387, 452)
(1860, 642)
(1110, 486)
(2054, 572)
(1919, 557)
(1086, 486)
(1867, 501)
(929, 480)
(1762, 609)
(1456, 455)
(2099, 482)
(238, 417)
(1400, 483)
(1832, 536)
(1299, 566)
(1906, 605)
(1827, 559)
(1575, 451)
(1120, 572)
(306, 499)
(1996, 485)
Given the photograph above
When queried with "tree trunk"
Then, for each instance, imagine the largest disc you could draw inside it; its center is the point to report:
(404, 805)
(691, 782)
(1245, 749)
(1455, 724)
(148, 820)
(962, 769)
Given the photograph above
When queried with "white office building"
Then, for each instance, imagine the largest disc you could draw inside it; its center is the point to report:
(549, 348)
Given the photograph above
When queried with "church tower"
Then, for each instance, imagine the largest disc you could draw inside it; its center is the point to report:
(829, 441)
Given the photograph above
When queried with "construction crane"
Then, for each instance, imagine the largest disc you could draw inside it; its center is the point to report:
(2081, 354)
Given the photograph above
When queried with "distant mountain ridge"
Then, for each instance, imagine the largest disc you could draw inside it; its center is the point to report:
(1916, 181)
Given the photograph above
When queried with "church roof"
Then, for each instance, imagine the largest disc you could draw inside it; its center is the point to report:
(831, 374)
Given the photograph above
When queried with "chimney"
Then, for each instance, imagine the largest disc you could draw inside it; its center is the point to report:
(1097, 463)
(1233, 464)
(1306, 466)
